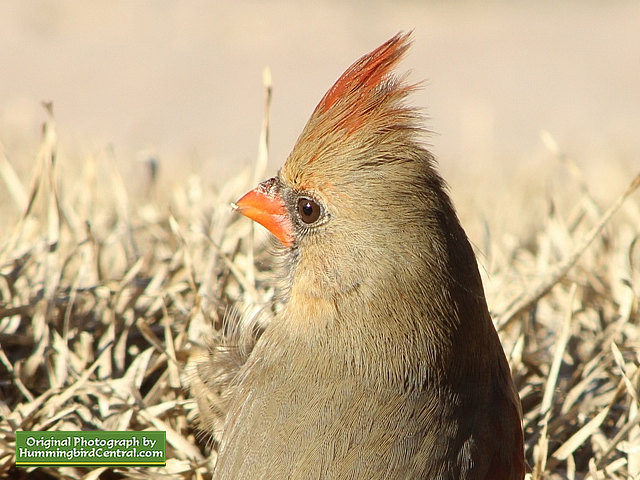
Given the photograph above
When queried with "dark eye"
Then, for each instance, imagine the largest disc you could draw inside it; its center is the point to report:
(308, 210)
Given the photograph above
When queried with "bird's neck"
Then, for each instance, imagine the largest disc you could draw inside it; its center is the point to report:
(386, 329)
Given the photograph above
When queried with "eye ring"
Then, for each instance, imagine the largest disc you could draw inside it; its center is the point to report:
(309, 211)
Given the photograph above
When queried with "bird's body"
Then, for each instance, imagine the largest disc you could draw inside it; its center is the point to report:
(333, 414)
(383, 362)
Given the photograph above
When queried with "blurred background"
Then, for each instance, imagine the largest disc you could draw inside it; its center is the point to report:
(182, 81)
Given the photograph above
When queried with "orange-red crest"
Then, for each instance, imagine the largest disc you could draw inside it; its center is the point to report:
(363, 111)
(359, 82)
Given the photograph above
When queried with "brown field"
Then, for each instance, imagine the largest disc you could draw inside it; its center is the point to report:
(110, 276)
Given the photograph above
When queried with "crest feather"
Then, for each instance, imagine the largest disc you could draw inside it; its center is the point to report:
(361, 79)
(367, 72)
(361, 117)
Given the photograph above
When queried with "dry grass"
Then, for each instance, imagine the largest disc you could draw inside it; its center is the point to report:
(104, 297)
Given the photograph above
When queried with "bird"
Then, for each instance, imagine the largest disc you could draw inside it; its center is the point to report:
(382, 361)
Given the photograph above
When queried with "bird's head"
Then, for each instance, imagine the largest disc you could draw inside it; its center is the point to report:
(358, 196)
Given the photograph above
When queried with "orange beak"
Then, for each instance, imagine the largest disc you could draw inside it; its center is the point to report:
(264, 205)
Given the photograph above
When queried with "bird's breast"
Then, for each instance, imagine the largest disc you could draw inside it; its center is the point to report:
(307, 422)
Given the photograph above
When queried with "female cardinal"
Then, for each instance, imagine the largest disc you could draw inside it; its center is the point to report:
(383, 362)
